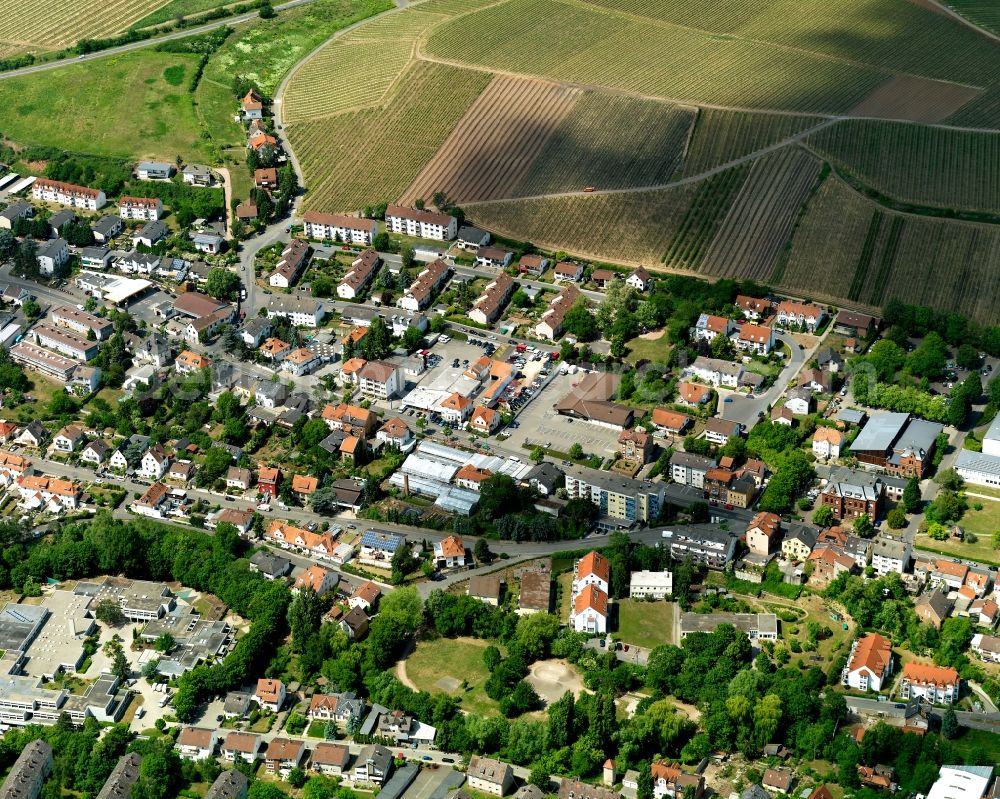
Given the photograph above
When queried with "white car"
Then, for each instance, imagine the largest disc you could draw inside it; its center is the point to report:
(444, 339)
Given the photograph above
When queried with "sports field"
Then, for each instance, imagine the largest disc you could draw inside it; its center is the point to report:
(444, 664)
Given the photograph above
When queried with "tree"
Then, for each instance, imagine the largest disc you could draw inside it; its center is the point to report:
(150, 669)
(537, 454)
(482, 551)
(26, 260)
(644, 789)
(304, 615)
(8, 244)
(580, 322)
(949, 724)
(164, 643)
(31, 309)
(896, 518)
(967, 357)
(911, 495)
(540, 777)
(407, 256)
(222, 284)
(823, 517)
(109, 612)
(576, 451)
(376, 341)
(120, 667)
(863, 526)
(217, 462)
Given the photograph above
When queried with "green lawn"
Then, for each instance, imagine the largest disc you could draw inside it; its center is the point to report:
(646, 624)
(982, 550)
(977, 746)
(264, 50)
(121, 106)
(441, 665)
(640, 349)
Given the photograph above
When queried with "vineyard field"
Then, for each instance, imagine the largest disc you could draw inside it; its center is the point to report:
(598, 47)
(919, 164)
(39, 26)
(406, 25)
(633, 226)
(359, 158)
(897, 36)
(751, 237)
(496, 141)
(345, 76)
(984, 13)
(722, 136)
(828, 243)
(169, 11)
(709, 205)
(983, 112)
(611, 142)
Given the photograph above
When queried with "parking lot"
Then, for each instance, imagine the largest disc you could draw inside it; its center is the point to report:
(538, 423)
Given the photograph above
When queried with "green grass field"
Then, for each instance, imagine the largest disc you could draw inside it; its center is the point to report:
(646, 624)
(644, 349)
(266, 49)
(441, 665)
(126, 105)
(977, 746)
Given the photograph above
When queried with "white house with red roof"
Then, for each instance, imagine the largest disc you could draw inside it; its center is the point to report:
(450, 552)
(870, 665)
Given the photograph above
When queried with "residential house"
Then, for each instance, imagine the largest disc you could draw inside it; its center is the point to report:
(827, 442)
(300, 311)
(144, 209)
(96, 452)
(377, 548)
(300, 362)
(273, 567)
(763, 533)
(197, 175)
(933, 607)
(574, 789)
(669, 782)
(849, 493)
(693, 394)
(13, 212)
(689, 469)
(456, 408)
(485, 420)
(618, 497)
(798, 542)
(589, 612)
(828, 564)
(30, 770)
(241, 747)
(938, 685)
(52, 256)
(639, 279)
(493, 257)
(489, 776)
(799, 401)
(870, 664)
(149, 234)
(709, 327)
(650, 585)
(670, 423)
(284, 754)
(252, 105)
(799, 314)
(211, 243)
(984, 612)
(421, 224)
(449, 553)
(830, 360)
(471, 238)
(534, 265)
(753, 308)
(355, 624)
(715, 372)
(719, 431)
(154, 170)
(780, 780)
(986, 647)
(569, 270)
(197, 743)
(320, 580)
(342, 708)
(396, 433)
(852, 323)
(151, 503)
(239, 478)
(68, 439)
(365, 597)
(363, 270)
(755, 339)
(339, 227)
(419, 294)
(488, 588)
(270, 694)
(635, 445)
(331, 759)
(373, 765)
(154, 463)
(55, 191)
(267, 481)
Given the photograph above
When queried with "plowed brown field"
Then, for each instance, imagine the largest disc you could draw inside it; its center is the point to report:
(495, 143)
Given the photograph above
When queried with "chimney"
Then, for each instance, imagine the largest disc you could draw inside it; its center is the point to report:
(406, 485)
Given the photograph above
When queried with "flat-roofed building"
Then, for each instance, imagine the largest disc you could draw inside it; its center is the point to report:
(757, 626)
(649, 584)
